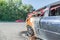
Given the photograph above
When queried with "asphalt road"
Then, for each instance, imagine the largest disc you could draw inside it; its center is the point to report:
(11, 31)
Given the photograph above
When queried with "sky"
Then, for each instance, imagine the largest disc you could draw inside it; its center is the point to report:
(38, 3)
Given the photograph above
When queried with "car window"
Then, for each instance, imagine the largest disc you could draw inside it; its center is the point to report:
(55, 12)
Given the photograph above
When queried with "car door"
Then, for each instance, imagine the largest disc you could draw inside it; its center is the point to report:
(50, 27)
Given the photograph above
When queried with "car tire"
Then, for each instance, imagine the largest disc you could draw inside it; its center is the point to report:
(30, 31)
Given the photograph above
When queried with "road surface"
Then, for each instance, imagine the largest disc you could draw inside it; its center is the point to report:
(11, 31)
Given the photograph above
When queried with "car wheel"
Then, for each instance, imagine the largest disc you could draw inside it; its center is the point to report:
(30, 31)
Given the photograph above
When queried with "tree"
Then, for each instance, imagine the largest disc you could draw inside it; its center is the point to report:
(11, 12)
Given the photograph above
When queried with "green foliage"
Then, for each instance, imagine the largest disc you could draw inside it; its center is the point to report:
(11, 12)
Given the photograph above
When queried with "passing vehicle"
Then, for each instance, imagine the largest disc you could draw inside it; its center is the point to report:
(46, 26)
(19, 21)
